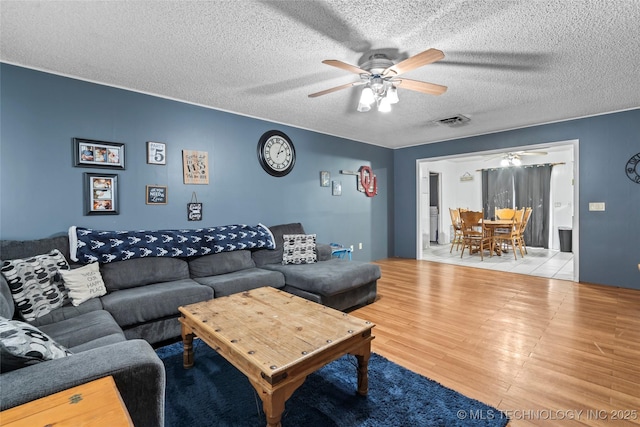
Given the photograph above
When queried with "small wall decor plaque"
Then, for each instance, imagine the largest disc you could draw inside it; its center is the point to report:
(156, 195)
(100, 194)
(156, 153)
(325, 179)
(194, 209)
(98, 154)
(195, 167)
(336, 189)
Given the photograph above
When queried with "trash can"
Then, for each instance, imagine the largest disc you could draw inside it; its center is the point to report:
(565, 238)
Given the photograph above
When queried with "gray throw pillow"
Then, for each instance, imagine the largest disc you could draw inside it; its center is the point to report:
(22, 345)
(299, 249)
(36, 285)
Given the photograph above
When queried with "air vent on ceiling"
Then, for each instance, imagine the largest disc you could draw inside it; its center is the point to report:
(454, 121)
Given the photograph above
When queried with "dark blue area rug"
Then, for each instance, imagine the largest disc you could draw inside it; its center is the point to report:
(214, 393)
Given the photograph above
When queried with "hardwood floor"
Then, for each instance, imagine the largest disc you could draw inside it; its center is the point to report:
(540, 349)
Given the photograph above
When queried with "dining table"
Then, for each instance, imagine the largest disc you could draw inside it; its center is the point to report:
(491, 225)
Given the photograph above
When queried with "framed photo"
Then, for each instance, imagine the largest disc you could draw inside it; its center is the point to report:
(195, 167)
(98, 154)
(156, 153)
(156, 195)
(325, 179)
(100, 194)
(336, 189)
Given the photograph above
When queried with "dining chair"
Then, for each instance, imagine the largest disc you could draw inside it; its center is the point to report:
(504, 236)
(523, 226)
(475, 234)
(457, 229)
(504, 213)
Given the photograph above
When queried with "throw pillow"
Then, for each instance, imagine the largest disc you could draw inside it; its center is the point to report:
(22, 345)
(84, 283)
(299, 249)
(36, 284)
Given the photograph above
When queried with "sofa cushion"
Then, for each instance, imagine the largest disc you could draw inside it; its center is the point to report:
(22, 345)
(299, 249)
(224, 262)
(83, 329)
(68, 311)
(153, 302)
(83, 283)
(274, 256)
(328, 277)
(35, 283)
(142, 271)
(242, 280)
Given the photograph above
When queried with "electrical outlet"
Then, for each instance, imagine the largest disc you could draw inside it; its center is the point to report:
(596, 206)
(351, 248)
(360, 245)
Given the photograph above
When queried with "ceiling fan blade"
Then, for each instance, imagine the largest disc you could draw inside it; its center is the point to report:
(418, 86)
(335, 89)
(345, 66)
(531, 153)
(423, 58)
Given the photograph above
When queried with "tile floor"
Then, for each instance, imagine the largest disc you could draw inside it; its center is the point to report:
(537, 262)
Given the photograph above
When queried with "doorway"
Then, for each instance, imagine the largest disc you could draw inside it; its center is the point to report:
(459, 185)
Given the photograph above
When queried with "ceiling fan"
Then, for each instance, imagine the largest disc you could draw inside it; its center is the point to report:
(512, 158)
(380, 76)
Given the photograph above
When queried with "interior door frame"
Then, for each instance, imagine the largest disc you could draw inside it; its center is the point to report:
(575, 144)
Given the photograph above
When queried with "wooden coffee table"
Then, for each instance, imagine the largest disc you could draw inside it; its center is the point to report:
(276, 339)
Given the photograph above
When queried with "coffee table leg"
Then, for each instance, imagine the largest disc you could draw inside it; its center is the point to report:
(273, 403)
(187, 343)
(363, 369)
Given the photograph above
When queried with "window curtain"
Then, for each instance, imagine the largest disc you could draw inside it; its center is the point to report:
(532, 188)
(497, 190)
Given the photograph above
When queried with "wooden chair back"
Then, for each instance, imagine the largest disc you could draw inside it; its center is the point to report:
(472, 223)
(505, 213)
(455, 218)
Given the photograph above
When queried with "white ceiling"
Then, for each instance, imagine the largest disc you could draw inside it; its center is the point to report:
(507, 64)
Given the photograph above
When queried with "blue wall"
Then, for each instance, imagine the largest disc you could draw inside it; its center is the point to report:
(41, 191)
(609, 241)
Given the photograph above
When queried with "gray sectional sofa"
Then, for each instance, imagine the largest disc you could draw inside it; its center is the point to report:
(114, 334)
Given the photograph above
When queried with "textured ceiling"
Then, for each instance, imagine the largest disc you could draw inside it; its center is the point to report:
(507, 64)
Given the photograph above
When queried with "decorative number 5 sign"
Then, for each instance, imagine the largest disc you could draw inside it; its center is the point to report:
(156, 153)
(368, 181)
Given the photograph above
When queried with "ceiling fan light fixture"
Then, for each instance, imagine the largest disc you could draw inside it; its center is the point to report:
(516, 161)
(367, 97)
(363, 108)
(504, 162)
(384, 106)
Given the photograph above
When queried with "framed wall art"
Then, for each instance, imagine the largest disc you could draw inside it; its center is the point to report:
(156, 153)
(100, 194)
(195, 167)
(98, 154)
(156, 195)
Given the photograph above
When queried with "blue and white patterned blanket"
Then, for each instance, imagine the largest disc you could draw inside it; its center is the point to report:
(89, 245)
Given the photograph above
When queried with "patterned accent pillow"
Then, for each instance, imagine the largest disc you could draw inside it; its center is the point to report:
(22, 345)
(299, 249)
(36, 284)
(84, 283)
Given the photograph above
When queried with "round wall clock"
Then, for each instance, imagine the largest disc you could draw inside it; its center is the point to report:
(632, 168)
(276, 153)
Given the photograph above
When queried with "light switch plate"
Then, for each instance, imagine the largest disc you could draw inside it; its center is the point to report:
(596, 206)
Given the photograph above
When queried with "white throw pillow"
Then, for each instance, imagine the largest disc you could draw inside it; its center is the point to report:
(84, 283)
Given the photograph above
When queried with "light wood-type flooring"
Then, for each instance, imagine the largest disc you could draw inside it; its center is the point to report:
(545, 351)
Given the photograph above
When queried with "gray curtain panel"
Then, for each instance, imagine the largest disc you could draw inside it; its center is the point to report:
(533, 186)
(497, 190)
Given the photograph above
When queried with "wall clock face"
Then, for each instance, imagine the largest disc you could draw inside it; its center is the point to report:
(633, 168)
(276, 153)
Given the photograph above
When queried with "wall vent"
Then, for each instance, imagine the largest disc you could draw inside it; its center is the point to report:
(454, 121)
